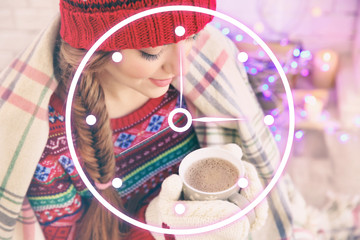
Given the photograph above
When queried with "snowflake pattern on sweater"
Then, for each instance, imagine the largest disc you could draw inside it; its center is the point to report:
(146, 152)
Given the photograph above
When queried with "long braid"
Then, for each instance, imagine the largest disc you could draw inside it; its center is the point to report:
(93, 143)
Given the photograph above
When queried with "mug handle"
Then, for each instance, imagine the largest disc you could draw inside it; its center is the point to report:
(242, 202)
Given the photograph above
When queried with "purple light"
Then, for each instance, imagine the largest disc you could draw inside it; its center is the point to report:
(344, 137)
(304, 72)
(299, 134)
(271, 79)
(284, 42)
(296, 52)
(267, 93)
(294, 64)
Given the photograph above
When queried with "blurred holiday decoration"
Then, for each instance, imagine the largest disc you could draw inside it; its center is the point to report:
(325, 66)
(263, 75)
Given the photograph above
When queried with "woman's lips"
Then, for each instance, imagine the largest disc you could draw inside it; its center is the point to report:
(161, 82)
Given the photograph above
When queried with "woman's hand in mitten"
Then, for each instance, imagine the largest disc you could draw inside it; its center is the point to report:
(161, 213)
(258, 215)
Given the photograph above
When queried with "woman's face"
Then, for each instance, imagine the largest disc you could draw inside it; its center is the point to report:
(147, 71)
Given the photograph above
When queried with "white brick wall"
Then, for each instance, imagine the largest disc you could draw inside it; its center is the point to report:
(20, 22)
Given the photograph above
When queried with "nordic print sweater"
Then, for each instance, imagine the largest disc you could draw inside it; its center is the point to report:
(146, 152)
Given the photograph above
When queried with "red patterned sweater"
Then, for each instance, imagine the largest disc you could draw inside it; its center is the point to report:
(146, 151)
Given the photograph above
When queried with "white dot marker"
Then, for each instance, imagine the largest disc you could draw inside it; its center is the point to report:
(180, 31)
(243, 57)
(91, 120)
(243, 183)
(117, 57)
(269, 120)
(180, 208)
(117, 182)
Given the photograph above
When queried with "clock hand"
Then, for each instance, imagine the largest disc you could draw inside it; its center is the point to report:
(216, 119)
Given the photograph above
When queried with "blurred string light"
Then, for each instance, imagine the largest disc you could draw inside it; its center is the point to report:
(267, 93)
(271, 79)
(304, 72)
(259, 27)
(277, 137)
(217, 25)
(296, 52)
(303, 113)
(299, 134)
(239, 38)
(294, 64)
(306, 54)
(325, 67)
(344, 137)
(326, 57)
(261, 54)
(357, 121)
(265, 87)
(225, 31)
(310, 99)
(275, 112)
(273, 128)
(253, 71)
(316, 11)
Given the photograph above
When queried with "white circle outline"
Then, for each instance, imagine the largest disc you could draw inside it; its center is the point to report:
(277, 174)
(188, 123)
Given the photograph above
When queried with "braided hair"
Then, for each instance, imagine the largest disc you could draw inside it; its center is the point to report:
(93, 143)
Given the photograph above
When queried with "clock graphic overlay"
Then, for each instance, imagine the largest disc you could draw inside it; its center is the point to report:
(92, 119)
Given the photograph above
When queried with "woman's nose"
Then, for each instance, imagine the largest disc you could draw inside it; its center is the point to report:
(174, 62)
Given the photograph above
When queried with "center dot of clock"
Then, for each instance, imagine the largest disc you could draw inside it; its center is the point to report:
(171, 119)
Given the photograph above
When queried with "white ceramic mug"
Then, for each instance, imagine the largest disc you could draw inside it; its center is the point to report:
(190, 192)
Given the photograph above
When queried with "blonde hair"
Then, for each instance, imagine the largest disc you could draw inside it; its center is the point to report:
(93, 143)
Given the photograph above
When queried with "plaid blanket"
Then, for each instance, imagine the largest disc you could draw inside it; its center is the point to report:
(215, 85)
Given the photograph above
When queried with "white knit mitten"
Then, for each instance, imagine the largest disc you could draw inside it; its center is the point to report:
(258, 216)
(161, 213)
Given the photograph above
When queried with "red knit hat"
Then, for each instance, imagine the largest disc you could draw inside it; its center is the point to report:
(84, 21)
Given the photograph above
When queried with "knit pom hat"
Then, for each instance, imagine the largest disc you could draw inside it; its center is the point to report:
(84, 21)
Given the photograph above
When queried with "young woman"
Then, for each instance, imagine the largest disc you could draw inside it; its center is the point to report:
(131, 140)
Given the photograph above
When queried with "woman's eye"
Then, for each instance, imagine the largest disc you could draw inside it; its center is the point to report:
(193, 37)
(149, 57)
